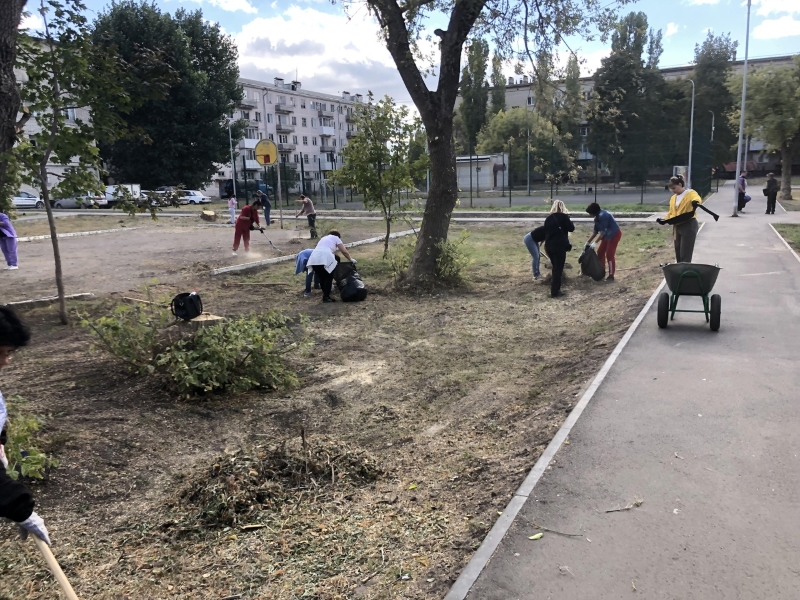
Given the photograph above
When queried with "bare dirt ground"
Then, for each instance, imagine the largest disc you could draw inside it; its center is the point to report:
(453, 395)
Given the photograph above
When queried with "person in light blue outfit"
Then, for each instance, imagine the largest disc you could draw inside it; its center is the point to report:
(300, 266)
(532, 241)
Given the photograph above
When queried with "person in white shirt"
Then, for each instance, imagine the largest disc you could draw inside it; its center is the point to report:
(323, 261)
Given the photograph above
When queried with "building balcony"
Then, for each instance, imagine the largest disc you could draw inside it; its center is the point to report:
(283, 128)
(286, 147)
(252, 165)
(291, 165)
(246, 144)
(327, 148)
(327, 166)
(248, 103)
(284, 108)
(350, 134)
(326, 114)
(327, 131)
(349, 119)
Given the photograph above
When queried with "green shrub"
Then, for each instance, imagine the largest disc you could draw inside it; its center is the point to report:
(235, 356)
(400, 256)
(453, 260)
(24, 457)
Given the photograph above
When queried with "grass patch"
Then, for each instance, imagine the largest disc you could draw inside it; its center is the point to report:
(791, 233)
(77, 224)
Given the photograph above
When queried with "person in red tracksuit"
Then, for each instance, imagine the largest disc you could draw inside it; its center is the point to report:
(248, 219)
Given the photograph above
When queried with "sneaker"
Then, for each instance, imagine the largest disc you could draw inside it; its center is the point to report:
(610, 278)
(306, 294)
(10, 268)
(235, 254)
(328, 299)
(537, 277)
(557, 295)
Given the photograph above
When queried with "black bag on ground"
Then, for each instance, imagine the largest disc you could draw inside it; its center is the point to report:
(187, 306)
(591, 265)
(349, 283)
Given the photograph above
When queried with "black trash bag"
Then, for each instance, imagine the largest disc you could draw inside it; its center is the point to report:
(349, 283)
(591, 265)
(187, 306)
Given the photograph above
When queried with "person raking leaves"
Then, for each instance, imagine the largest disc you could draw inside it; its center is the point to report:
(248, 219)
(16, 501)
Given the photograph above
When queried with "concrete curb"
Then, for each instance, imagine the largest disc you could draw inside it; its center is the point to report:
(469, 575)
(281, 259)
(785, 243)
(44, 301)
(36, 238)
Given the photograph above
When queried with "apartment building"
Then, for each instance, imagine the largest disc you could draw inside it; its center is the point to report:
(310, 128)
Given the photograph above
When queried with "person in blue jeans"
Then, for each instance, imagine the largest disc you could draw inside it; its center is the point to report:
(301, 265)
(532, 241)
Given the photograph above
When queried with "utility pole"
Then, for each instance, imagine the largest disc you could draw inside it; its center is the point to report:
(233, 164)
(509, 173)
(470, 177)
(691, 140)
(712, 125)
(741, 117)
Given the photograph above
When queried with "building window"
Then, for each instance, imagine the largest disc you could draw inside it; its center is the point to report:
(250, 154)
(313, 141)
(269, 117)
(259, 135)
(302, 103)
(246, 115)
(69, 114)
(334, 143)
(530, 100)
(294, 120)
(305, 140)
(251, 133)
(281, 99)
(283, 139)
(313, 122)
(316, 175)
(220, 173)
(584, 131)
(285, 158)
(258, 117)
(296, 159)
(270, 137)
(341, 126)
(294, 139)
(304, 122)
(305, 158)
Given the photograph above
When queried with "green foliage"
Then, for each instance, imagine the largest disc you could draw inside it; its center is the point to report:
(237, 355)
(474, 91)
(151, 202)
(22, 451)
(453, 260)
(400, 257)
(498, 85)
(183, 134)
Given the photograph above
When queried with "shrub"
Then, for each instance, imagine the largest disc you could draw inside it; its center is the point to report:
(235, 356)
(24, 456)
(453, 260)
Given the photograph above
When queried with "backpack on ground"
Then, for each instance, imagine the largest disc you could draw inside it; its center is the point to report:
(187, 306)
(591, 265)
(349, 282)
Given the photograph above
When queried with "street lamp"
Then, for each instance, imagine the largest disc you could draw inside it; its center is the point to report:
(712, 125)
(741, 118)
(509, 172)
(691, 140)
(233, 165)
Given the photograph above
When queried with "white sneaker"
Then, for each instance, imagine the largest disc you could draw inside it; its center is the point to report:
(11, 268)
(235, 254)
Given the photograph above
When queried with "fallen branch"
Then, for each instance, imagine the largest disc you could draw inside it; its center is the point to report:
(636, 504)
(540, 527)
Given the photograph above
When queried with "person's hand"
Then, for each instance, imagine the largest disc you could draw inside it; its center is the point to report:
(660, 221)
(3, 459)
(353, 260)
(35, 525)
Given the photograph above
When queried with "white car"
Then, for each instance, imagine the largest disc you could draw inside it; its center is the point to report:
(193, 197)
(86, 200)
(27, 200)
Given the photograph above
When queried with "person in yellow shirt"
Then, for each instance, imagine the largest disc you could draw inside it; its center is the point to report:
(682, 206)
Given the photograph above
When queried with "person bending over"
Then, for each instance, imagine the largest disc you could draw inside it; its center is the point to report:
(248, 219)
(608, 234)
(323, 261)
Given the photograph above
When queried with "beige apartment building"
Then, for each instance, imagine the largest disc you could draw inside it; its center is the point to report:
(310, 128)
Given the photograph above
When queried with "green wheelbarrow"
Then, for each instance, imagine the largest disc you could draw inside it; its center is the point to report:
(689, 279)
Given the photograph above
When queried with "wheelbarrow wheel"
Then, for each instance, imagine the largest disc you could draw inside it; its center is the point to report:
(663, 310)
(716, 309)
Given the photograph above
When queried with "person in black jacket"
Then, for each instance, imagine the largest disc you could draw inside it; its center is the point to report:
(772, 193)
(16, 501)
(557, 228)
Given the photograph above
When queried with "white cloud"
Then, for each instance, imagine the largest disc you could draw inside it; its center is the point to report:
(771, 29)
(33, 21)
(772, 7)
(231, 5)
(591, 62)
(672, 29)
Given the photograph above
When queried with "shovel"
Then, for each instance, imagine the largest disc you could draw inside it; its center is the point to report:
(55, 569)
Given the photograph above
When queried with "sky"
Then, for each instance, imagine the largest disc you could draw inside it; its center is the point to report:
(331, 51)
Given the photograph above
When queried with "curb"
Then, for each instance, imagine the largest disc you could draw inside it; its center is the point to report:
(785, 243)
(281, 259)
(44, 301)
(35, 238)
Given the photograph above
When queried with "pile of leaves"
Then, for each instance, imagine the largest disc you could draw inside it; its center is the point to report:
(242, 484)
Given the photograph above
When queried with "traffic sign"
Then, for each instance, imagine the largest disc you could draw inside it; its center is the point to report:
(266, 152)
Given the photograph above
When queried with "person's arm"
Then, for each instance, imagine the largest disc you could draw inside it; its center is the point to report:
(344, 251)
(739, 185)
(570, 225)
(16, 502)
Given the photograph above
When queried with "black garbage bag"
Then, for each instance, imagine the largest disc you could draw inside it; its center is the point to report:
(591, 265)
(349, 282)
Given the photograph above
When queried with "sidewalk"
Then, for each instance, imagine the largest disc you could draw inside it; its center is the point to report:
(704, 428)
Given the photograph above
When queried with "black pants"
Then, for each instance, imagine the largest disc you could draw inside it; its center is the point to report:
(741, 202)
(312, 224)
(325, 280)
(685, 236)
(771, 200)
(558, 258)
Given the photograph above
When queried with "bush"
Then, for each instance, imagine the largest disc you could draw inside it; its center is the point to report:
(453, 260)
(24, 457)
(235, 356)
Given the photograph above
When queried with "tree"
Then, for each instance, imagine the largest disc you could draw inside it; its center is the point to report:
(713, 63)
(376, 161)
(71, 89)
(474, 91)
(773, 113)
(570, 115)
(498, 85)
(184, 135)
(403, 26)
(10, 126)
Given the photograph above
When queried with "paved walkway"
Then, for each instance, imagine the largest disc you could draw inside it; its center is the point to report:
(704, 428)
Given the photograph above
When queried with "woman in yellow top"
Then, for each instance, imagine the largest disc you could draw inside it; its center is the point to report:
(682, 206)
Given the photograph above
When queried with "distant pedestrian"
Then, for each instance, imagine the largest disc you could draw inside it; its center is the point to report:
(323, 261)
(557, 228)
(532, 241)
(309, 212)
(248, 219)
(741, 184)
(232, 206)
(8, 242)
(771, 191)
(263, 198)
(608, 234)
(301, 266)
(681, 215)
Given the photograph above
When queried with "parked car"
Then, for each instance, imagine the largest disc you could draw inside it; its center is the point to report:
(87, 200)
(26, 200)
(193, 197)
(134, 188)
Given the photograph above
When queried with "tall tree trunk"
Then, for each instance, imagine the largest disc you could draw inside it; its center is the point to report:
(10, 16)
(787, 157)
(441, 200)
(51, 221)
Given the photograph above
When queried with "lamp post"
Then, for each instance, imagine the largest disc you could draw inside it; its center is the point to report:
(509, 173)
(529, 144)
(233, 164)
(712, 125)
(691, 140)
(741, 117)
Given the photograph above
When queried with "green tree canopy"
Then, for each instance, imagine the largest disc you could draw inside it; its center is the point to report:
(474, 91)
(498, 85)
(184, 135)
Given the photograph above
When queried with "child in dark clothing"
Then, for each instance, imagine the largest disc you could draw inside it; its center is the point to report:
(16, 501)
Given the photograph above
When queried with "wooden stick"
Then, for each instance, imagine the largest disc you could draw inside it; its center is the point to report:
(55, 569)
